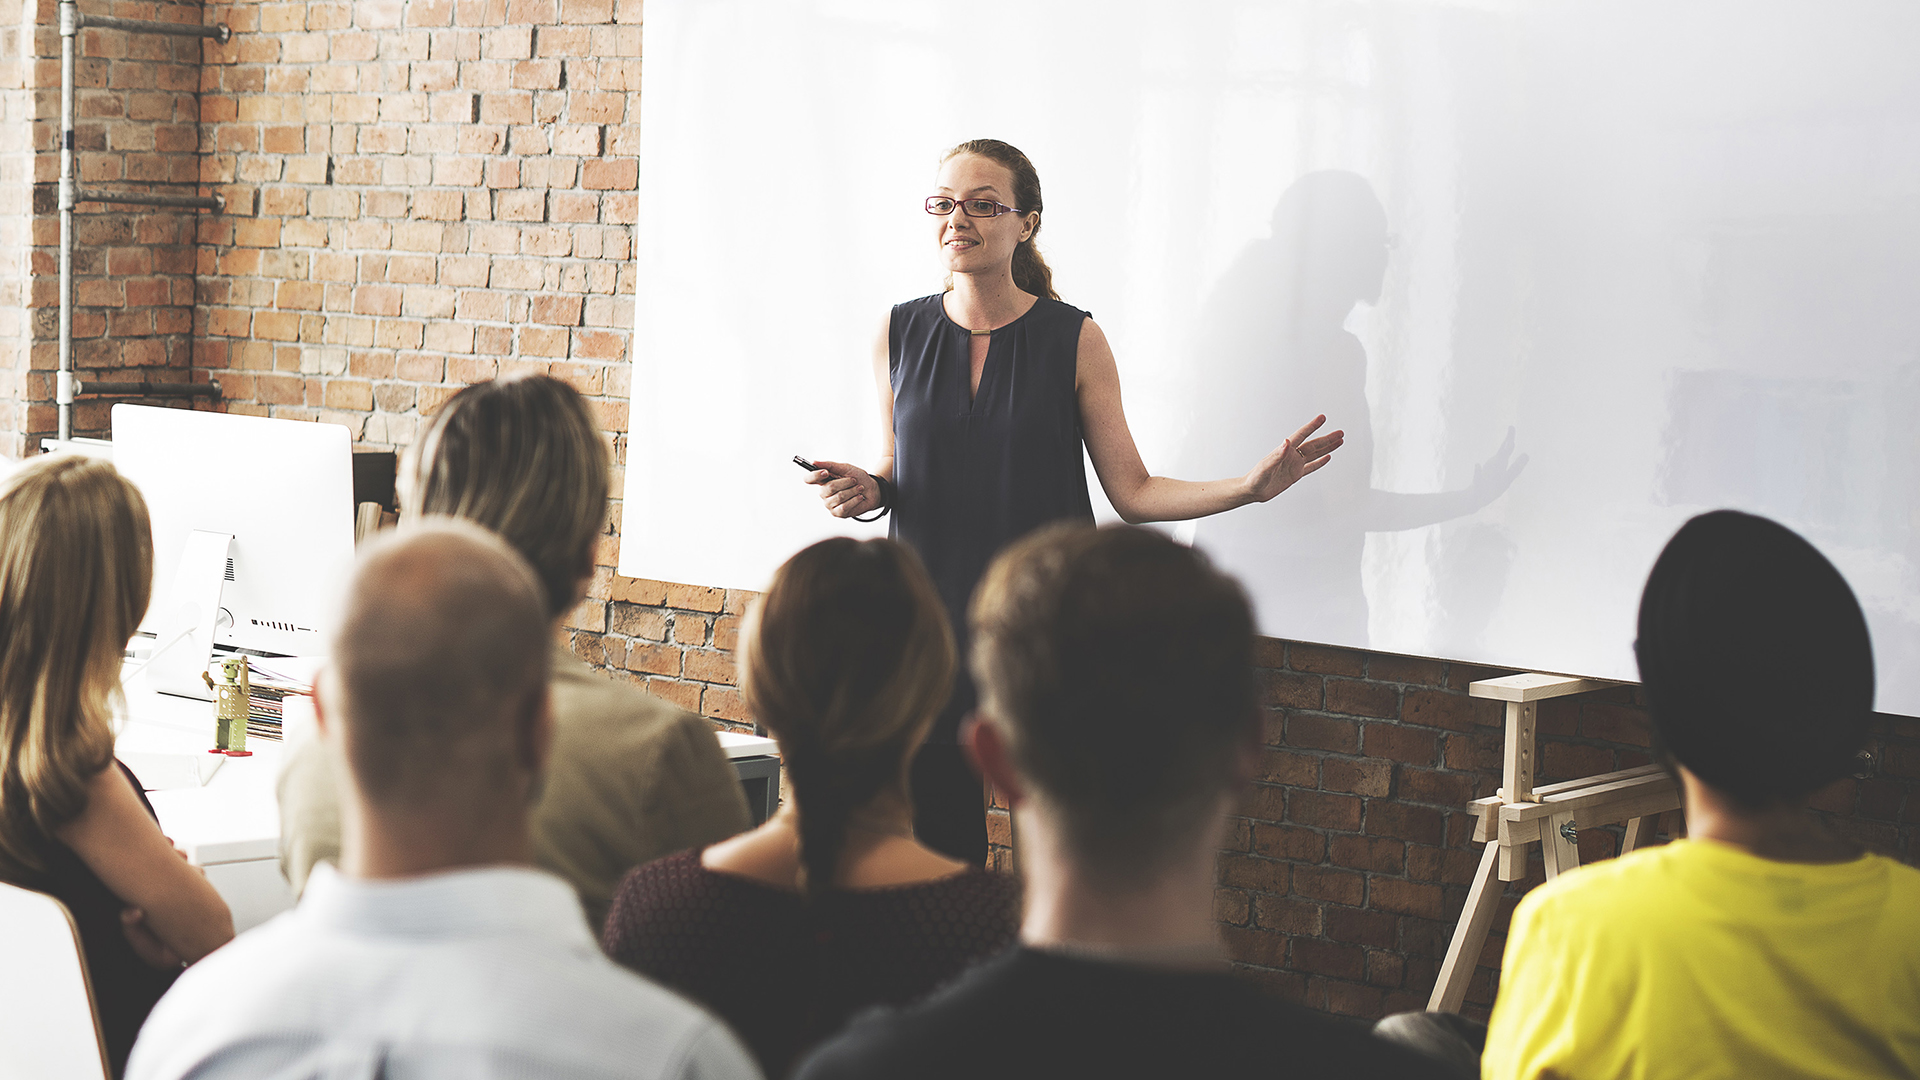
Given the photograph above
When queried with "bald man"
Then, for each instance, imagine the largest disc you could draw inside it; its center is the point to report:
(437, 949)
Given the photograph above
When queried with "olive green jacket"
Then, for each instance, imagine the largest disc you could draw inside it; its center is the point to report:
(630, 778)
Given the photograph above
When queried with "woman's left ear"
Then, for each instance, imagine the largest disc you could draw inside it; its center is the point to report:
(1033, 226)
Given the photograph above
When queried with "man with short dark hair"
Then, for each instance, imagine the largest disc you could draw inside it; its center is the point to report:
(1120, 717)
(437, 949)
(1763, 944)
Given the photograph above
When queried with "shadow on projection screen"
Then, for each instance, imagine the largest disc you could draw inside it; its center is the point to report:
(1566, 274)
(1272, 344)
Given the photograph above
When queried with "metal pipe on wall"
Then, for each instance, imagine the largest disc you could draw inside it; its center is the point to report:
(147, 389)
(149, 26)
(71, 22)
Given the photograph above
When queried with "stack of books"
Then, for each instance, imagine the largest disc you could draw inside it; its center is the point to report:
(263, 712)
(269, 684)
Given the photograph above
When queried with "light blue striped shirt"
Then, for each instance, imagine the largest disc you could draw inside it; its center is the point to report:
(484, 973)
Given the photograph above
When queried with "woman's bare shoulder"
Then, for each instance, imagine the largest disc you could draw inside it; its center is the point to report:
(767, 855)
(113, 804)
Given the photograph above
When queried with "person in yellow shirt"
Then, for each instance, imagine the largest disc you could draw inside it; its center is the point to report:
(1763, 945)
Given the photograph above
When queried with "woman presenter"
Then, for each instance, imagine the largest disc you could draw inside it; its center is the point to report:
(987, 393)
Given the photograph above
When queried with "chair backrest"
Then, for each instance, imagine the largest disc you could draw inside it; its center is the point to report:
(47, 1020)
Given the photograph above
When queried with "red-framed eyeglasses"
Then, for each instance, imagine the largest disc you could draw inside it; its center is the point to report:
(941, 206)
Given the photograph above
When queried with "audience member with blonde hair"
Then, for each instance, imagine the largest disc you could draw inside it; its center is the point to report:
(632, 778)
(831, 906)
(436, 949)
(76, 569)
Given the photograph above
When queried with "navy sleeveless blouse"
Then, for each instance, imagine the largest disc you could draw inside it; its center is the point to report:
(974, 472)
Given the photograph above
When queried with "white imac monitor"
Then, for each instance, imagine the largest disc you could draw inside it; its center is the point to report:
(252, 533)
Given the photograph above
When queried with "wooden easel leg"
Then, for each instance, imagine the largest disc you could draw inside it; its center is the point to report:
(1469, 936)
(1513, 861)
(1557, 849)
(1639, 833)
(1674, 824)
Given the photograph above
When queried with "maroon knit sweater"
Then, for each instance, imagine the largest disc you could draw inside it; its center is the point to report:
(785, 977)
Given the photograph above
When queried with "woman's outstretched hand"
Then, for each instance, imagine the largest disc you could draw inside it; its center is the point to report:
(1295, 458)
(845, 489)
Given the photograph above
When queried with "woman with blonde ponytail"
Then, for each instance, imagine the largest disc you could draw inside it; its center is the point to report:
(832, 906)
(988, 392)
(76, 568)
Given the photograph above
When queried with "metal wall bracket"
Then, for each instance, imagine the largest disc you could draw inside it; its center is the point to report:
(73, 20)
(146, 198)
(209, 389)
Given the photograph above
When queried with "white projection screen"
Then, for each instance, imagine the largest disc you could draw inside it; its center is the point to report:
(1567, 272)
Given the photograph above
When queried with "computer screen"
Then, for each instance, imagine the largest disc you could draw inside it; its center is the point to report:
(283, 489)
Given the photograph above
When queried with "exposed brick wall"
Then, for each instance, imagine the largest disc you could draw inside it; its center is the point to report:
(17, 106)
(676, 641)
(424, 195)
(421, 195)
(430, 193)
(136, 128)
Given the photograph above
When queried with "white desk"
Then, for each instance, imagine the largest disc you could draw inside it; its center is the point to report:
(230, 826)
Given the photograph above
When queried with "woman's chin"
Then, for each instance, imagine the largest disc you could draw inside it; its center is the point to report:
(965, 264)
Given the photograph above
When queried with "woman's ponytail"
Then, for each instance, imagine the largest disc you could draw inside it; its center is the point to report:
(1030, 271)
(830, 787)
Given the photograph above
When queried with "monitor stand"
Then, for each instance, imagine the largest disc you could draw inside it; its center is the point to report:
(183, 638)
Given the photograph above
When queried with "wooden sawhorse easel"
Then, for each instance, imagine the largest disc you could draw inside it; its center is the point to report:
(1550, 816)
